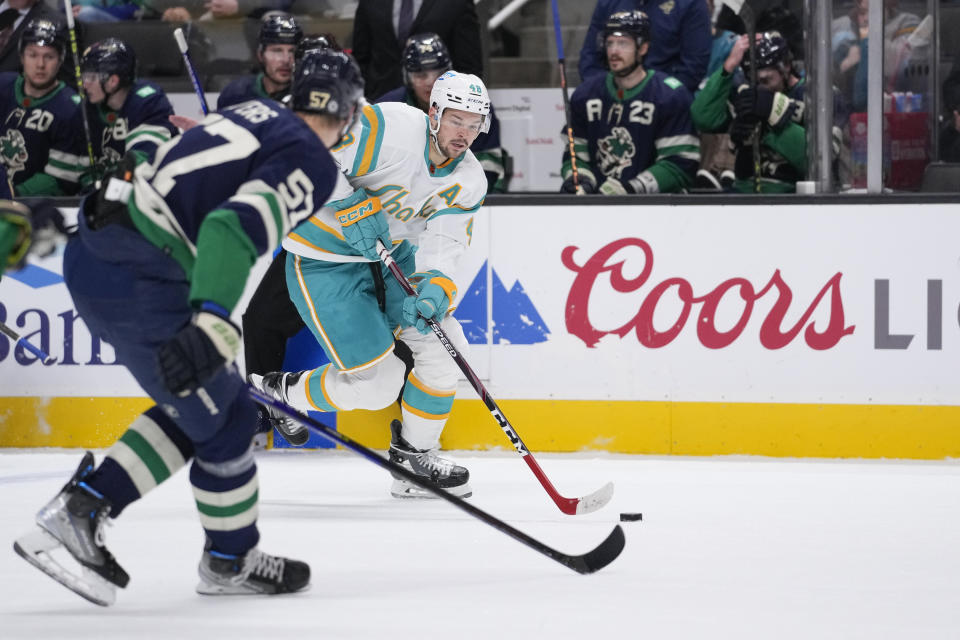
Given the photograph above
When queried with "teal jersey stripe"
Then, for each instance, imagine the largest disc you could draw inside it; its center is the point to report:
(433, 405)
(456, 210)
(366, 126)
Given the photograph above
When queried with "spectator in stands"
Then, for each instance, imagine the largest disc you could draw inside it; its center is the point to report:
(381, 27)
(126, 115)
(42, 148)
(107, 10)
(901, 42)
(773, 110)
(14, 17)
(680, 38)
(277, 43)
(631, 126)
(186, 10)
(425, 58)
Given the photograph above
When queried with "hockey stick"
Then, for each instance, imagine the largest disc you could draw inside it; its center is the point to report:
(561, 63)
(750, 22)
(185, 52)
(570, 506)
(18, 339)
(594, 560)
(71, 27)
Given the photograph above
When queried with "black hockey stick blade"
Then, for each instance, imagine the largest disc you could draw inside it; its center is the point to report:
(605, 553)
(592, 561)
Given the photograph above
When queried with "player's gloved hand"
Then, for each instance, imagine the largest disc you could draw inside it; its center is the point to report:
(363, 223)
(17, 216)
(584, 185)
(774, 107)
(199, 350)
(435, 292)
(48, 228)
(742, 129)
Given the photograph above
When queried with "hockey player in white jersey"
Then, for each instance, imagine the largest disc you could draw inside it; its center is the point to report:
(415, 185)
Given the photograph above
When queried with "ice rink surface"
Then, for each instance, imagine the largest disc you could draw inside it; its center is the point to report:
(727, 548)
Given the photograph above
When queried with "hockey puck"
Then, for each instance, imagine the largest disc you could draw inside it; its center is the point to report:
(630, 517)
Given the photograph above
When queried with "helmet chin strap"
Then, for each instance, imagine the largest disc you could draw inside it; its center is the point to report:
(434, 134)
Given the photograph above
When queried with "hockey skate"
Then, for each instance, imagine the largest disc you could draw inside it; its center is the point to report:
(250, 574)
(74, 520)
(275, 384)
(442, 473)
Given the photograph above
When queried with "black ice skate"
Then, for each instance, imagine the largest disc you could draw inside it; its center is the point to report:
(428, 465)
(74, 520)
(254, 573)
(275, 384)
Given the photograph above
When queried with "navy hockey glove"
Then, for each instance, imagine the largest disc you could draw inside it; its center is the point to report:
(585, 184)
(435, 292)
(742, 129)
(363, 223)
(199, 350)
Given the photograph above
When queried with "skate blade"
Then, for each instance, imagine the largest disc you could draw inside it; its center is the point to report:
(36, 547)
(207, 588)
(406, 490)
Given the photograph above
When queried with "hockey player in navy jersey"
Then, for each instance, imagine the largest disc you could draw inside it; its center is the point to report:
(162, 255)
(425, 57)
(632, 128)
(277, 43)
(125, 114)
(42, 148)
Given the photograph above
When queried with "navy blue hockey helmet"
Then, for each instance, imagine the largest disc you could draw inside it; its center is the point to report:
(772, 52)
(626, 23)
(45, 33)
(279, 28)
(108, 57)
(425, 52)
(327, 82)
(316, 41)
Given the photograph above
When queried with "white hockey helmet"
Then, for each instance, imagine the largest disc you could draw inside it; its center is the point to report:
(462, 91)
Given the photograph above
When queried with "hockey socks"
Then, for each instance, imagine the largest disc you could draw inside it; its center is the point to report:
(151, 450)
(227, 495)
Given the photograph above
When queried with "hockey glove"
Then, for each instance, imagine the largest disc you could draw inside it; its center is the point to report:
(774, 107)
(742, 129)
(17, 215)
(48, 228)
(585, 184)
(613, 187)
(199, 350)
(363, 223)
(435, 292)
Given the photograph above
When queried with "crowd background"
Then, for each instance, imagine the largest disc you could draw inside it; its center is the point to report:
(921, 83)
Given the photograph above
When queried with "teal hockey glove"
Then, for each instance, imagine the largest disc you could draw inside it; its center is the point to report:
(363, 223)
(435, 292)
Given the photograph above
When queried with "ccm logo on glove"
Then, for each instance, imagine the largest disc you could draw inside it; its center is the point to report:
(359, 212)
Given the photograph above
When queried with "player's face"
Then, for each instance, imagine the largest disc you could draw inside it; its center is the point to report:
(770, 79)
(422, 83)
(40, 65)
(277, 62)
(458, 130)
(621, 52)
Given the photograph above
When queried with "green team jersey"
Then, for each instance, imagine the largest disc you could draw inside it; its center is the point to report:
(783, 150)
